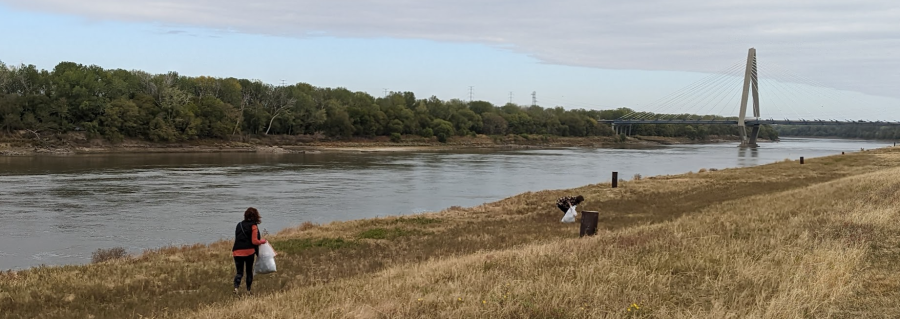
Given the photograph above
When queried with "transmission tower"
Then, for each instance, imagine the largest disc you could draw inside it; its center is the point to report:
(533, 98)
(471, 93)
(510, 97)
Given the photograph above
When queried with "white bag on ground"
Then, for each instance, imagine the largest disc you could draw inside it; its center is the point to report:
(569, 217)
(266, 262)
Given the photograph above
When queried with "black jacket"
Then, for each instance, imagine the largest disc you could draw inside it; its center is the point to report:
(242, 236)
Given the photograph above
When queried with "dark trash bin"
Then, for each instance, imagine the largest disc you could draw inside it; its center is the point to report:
(589, 223)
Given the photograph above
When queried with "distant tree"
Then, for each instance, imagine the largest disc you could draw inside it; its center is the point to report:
(494, 124)
(481, 107)
(280, 104)
(442, 129)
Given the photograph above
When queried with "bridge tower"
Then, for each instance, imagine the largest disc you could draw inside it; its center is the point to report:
(751, 85)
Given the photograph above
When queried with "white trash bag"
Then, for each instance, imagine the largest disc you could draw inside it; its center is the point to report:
(265, 264)
(569, 217)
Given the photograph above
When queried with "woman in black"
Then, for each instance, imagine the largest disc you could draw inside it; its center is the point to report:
(568, 201)
(246, 244)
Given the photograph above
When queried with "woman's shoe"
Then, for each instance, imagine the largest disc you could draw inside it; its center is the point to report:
(235, 291)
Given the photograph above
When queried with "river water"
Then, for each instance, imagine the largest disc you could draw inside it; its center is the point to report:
(59, 209)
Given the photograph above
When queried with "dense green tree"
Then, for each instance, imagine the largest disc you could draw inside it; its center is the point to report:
(338, 122)
(481, 107)
(494, 124)
(442, 129)
(118, 104)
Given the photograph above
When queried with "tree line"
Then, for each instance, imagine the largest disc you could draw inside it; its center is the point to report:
(117, 104)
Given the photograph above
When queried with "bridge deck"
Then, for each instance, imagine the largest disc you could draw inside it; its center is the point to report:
(751, 122)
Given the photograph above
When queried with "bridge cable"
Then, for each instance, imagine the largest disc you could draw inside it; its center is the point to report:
(814, 92)
(776, 91)
(721, 90)
(790, 95)
(658, 103)
(674, 101)
(735, 106)
(823, 90)
(688, 99)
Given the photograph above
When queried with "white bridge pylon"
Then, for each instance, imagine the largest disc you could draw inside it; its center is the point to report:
(751, 85)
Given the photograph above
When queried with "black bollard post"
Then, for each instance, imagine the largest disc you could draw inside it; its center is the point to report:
(801, 159)
(615, 182)
(588, 223)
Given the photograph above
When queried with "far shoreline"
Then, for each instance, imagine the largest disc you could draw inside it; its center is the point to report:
(73, 144)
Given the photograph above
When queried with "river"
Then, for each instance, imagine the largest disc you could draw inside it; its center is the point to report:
(58, 209)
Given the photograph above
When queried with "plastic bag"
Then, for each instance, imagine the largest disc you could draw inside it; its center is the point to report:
(265, 264)
(569, 217)
(266, 250)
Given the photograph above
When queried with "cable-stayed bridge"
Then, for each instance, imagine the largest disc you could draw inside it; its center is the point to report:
(712, 92)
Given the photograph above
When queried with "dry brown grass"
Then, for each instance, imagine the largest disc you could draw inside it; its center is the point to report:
(100, 255)
(776, 241)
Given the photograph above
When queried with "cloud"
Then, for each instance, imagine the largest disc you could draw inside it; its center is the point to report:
(844, 44)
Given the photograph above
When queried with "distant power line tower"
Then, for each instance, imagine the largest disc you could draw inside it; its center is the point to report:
(510, 97)
(533, 98)
(471, 93)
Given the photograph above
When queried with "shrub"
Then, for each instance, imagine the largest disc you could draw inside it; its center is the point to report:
(101, 255)
(427, 132)
(637, 177)
(395, 137)
(702, 170)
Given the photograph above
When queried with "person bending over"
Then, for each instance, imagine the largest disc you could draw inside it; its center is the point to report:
(568, 201)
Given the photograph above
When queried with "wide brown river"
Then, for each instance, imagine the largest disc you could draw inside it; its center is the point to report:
(59, 209)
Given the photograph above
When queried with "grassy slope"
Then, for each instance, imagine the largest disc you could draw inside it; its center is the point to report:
(780, 240)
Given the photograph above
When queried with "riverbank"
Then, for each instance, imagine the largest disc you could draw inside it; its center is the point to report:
(77, 143)
(770, 241)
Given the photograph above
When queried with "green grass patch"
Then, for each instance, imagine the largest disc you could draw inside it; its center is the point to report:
(384, 233)
(301, 244)
(418, 220)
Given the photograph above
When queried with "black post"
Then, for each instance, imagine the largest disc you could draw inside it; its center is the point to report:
(588, 223)
(801, 159)
(615, 182)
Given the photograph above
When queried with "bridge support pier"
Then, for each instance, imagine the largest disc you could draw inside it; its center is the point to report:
(754, 133)
(622, 129)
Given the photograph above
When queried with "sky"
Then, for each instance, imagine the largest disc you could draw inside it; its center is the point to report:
(817, 59)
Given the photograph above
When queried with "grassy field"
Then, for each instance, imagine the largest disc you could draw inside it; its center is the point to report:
(782, 240)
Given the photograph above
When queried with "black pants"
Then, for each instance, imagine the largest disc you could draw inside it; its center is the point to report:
(563, 207)
(242, 263)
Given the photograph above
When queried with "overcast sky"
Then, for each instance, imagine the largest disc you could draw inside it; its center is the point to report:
(574, 53)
